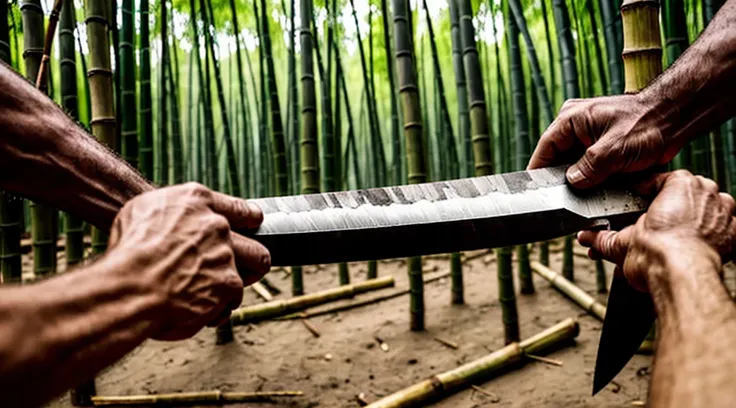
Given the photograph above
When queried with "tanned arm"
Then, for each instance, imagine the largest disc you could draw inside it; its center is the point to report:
(675, 252)
(695, 362)
(629, 133)
(45, 156)
(169, 271)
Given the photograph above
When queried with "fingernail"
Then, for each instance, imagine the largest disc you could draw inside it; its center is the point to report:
(574, 176)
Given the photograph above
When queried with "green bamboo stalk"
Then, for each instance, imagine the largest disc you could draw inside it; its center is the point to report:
(379, 165)
(309, 149)
(145, 150)
(192, 112)
(263, 180)
(11, 208)
(482, 149)
(448, 150)
(277, 128)
(209, 24)
(351, 127)
(676, 41)
(415, 148)
(613, 41)
(462, 92)
(397, 170)
(129, 131)
(717, 157)
(73, 226)
(599, 59)
(582, 54)
(600, 277)
(43, 217)
(176, 147)
(205, 138)
(518, 99)
(571, 90)
(567, 50)
(539, 83)
(550, 53)
(162, 175)
(294, 104)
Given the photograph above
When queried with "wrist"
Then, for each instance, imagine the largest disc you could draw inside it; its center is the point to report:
(680, 259)
(663, 114)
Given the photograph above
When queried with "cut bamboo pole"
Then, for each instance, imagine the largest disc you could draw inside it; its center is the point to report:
(262, 291)
(442, 385)
(202, 397)
(354, 305)
(578, 295)
(276, 308)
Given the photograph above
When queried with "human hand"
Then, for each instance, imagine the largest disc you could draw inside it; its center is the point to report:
(179, 246)
(613, 134)
(688, 214)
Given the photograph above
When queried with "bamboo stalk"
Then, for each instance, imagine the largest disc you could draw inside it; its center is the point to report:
(202, 397)
(568, 288)
(269, 310)
(361, 303)
(43, 70)
(444, 384)
(642, 43)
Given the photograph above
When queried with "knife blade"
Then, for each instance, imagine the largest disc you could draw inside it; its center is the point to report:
(440, 217)
(629, 317)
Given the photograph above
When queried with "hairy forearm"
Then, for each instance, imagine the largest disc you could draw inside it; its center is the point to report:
(45, 156)
(696, 351)
(62, 331)
(698, 92)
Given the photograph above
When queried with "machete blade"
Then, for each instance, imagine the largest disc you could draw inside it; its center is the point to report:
(629, 317)
(431, 218)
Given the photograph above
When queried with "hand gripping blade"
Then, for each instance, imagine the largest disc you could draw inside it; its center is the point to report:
(629, 317)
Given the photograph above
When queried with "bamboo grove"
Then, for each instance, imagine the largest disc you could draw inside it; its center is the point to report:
(274, 97)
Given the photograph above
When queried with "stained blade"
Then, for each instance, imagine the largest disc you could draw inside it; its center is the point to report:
(442, 217)
(629, 317)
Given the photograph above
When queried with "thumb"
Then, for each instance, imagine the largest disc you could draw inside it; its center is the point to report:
(593, 168)
(611, 245)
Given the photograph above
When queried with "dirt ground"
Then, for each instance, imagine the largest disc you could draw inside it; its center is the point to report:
(284, 355)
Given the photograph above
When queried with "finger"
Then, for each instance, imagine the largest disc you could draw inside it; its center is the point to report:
(597, 164)
(611, 245)
(252, 259)
(554, 142)
(708, 184)
(728, 202)
(240, 213)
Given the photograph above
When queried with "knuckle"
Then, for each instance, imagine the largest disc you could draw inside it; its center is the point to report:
(197, 190)
(681, 173)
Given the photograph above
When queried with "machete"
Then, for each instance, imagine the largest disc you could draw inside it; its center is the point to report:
(442, 217)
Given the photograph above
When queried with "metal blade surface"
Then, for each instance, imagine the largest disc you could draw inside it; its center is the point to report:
(629, 317)
(441, 217)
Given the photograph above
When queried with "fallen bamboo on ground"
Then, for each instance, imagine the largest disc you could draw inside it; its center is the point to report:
(354, 305)
(578, 295)
(276, 308)
(202, 397)
(261, 291)
(444, 384)
(582, 298)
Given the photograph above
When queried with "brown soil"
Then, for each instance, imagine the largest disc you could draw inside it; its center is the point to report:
(284, 355)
